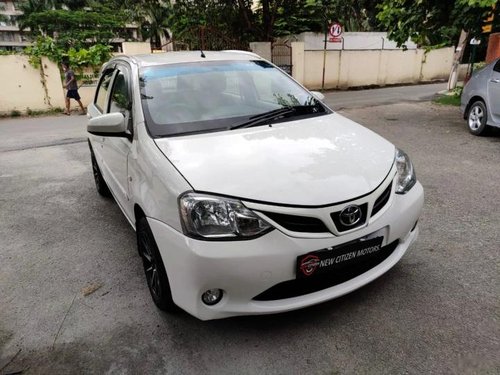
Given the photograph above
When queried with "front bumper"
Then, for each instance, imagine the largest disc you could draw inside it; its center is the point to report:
(245, 269)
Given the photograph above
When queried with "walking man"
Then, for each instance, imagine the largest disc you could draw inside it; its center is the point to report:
(72, 87)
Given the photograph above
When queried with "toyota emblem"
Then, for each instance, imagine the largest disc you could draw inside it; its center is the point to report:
(350, 215)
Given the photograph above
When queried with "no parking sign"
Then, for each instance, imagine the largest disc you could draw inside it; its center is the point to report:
(335, 32)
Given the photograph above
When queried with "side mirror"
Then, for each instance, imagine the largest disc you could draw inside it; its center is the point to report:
(108, 125)
(318, 95)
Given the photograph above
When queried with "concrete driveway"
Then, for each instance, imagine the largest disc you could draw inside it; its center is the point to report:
(73, 298)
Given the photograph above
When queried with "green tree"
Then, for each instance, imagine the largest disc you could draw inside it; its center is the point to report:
(311, 15)
(231, 19)
(80, 28)
(272, 18)
(29, 7)
(432, 22)
(153, 18)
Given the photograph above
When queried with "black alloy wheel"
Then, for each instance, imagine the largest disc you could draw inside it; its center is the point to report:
(154, 269)
(100, 184)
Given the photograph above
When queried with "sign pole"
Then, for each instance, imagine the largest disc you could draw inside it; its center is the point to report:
(335, 31)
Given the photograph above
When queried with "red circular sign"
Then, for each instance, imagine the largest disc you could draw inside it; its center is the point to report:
(335, 30)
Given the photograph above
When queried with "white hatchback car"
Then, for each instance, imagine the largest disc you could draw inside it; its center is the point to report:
(248, 195)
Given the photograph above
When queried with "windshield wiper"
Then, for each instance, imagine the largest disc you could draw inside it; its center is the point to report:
(191, 132)
(275, 114)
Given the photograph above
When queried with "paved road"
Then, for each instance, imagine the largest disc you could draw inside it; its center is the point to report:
(25, 133)
(387, 95)
(437, 311)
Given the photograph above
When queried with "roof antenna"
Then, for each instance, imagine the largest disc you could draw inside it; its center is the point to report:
(202, 54)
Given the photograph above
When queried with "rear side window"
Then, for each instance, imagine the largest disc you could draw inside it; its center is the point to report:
(496, 68)
(102, 91)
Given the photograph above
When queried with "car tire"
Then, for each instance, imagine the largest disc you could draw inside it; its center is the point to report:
(477, 117)
(154, 269)
(100, 184)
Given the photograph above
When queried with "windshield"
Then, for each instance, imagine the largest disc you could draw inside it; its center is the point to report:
(218, 95)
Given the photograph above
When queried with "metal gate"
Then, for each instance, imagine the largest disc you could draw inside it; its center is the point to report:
(281, 55)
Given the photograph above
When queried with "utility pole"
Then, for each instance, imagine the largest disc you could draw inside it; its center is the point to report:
(459, 52)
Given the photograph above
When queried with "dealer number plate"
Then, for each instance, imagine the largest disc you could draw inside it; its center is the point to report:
(328, 260)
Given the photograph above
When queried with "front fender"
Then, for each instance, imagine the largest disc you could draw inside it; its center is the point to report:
(155, 184)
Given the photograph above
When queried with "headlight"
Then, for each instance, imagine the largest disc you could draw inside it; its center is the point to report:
(406, 174)
(212, 217)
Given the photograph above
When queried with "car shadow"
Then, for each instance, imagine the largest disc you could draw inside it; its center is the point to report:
(302, 318)
(494, 134)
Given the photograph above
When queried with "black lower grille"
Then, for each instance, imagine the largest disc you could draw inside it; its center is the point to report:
(298, 223)
(300, 287)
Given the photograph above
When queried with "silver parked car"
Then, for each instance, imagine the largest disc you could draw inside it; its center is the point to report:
(480, 103)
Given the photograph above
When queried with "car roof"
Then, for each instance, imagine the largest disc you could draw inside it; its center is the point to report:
(186, 56)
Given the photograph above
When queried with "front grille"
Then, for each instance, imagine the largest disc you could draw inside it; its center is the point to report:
(382, 200)
(341, 227)
(298, 223)
(305, 224)
(300, 287)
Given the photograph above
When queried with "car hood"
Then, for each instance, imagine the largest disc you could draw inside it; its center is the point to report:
(316, 161)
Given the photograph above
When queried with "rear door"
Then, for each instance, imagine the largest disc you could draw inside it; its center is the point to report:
(494, 94)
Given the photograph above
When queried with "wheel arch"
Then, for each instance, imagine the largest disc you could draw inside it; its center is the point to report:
(472, 100)
(138, 213)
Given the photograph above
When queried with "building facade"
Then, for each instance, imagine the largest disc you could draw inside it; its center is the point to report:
(11, 38)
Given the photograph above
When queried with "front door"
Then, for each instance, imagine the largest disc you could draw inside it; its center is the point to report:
(96, 108)
(116, 149)
(114, 95)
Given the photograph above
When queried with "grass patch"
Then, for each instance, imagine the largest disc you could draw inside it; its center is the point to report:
(47, 112)
(448, 100)
(451, 98)
(32, 112)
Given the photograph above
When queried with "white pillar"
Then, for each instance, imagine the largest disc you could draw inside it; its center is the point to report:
(298, 61)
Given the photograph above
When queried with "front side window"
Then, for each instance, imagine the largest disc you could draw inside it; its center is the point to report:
(120, 97)
(102, 91)
(196, 97)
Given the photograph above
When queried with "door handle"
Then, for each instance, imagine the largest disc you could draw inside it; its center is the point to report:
(495, 80)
